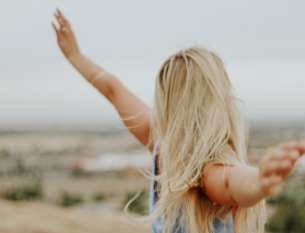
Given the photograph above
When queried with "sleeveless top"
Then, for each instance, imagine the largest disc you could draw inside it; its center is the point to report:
(219, 227)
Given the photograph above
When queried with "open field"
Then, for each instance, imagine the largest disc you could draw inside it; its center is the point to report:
(48, 156)
(33, 217)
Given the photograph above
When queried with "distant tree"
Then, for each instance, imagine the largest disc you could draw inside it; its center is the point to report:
(31, 191)
(288, 219)
(290, 207)
(67, 199)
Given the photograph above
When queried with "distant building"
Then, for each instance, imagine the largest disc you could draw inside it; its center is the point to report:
(111, 162)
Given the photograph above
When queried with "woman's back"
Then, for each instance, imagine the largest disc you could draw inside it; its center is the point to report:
(219, 226)
(198, 120)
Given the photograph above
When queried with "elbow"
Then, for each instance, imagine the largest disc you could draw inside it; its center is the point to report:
(111, 89)
(110, 95)
(247, 205)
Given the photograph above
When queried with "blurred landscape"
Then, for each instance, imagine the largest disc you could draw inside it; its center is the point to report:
(75, 178)
(78, 178)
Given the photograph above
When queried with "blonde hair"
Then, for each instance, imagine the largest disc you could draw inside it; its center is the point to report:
(198, 123)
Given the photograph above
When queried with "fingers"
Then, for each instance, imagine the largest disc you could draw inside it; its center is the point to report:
(294, 145)
(278, 163)
(61, 19)
(302, 142)
(59, 32)
(64, 28)
(63, 23)
(270, 185)
(55, 29)
(59, 13)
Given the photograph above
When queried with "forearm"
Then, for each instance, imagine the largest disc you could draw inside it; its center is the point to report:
(243, 185)
(104, 82)
(135, 113)
(87, 68)
(246, 186)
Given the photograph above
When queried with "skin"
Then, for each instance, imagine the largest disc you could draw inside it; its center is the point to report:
(228, 185)
(134, 113)
(246, 185)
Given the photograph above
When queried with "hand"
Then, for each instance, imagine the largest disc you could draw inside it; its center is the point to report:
(65, 36)
(277, 164)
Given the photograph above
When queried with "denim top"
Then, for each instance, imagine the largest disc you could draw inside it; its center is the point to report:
(219, 227)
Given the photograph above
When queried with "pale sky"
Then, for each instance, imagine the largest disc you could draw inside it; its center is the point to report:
(261, 42)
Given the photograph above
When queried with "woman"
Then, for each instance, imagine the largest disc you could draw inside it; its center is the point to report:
(197, 134)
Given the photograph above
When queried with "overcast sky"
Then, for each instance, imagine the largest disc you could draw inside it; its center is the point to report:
(261, 42)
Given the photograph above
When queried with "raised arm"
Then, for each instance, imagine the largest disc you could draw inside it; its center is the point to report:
(245, 185)
(134, 113)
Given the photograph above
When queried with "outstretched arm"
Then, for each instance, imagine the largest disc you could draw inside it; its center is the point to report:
(245, 185)
(134, 113)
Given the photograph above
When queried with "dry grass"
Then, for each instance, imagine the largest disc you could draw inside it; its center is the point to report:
(28, 217)
(113, 187)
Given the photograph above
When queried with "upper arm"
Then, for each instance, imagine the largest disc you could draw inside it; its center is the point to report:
(135, 114)
(215, 184)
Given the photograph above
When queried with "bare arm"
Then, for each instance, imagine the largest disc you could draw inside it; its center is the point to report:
(246, 186)
(134, 113)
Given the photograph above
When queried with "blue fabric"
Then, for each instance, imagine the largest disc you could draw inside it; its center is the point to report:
(219, 227)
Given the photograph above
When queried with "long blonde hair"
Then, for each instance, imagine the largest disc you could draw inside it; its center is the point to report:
(198, 123)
